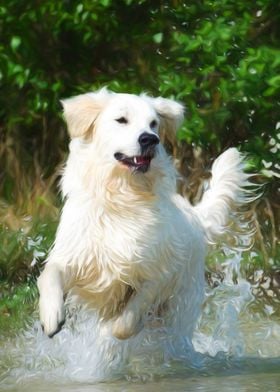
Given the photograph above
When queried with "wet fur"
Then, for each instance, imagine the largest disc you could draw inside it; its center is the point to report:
(127, 244)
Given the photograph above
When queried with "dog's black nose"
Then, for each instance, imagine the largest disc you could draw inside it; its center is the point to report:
(148, 139)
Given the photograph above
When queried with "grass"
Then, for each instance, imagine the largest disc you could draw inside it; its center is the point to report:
(24, 248)
(21, 256)
(27, 231)
(17, 303)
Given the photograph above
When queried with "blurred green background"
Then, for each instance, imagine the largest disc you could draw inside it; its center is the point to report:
(220, 58)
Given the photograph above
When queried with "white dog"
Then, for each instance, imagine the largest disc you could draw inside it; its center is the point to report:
(127, 243)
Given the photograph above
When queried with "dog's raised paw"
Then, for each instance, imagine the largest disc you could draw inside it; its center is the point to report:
(59, 327)
(52, 315)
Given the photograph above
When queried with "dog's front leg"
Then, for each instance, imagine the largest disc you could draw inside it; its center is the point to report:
(129, 323)
(51, 303)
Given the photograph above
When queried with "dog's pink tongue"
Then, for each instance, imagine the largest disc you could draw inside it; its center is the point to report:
(142, 160)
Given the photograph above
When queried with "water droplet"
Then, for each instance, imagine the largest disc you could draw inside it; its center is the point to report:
(252, 71)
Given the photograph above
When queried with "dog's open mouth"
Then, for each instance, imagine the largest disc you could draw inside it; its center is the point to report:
(139, 163)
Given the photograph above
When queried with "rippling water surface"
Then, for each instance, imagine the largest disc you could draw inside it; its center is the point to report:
(236, 347)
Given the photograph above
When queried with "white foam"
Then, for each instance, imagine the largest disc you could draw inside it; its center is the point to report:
(85, 352)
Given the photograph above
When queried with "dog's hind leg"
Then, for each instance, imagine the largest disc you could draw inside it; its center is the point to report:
(129, 323)
(51, 303)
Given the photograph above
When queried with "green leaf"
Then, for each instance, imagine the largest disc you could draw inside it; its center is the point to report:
(274, 81)
(80, 8)
(15, 43)
(157, 38)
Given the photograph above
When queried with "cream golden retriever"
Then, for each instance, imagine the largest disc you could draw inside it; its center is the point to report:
(128, 244)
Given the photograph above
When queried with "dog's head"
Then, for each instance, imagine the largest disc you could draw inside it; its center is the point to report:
(124, 128)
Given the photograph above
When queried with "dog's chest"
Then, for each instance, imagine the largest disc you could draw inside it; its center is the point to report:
(124, 239)
(128, 245)
(141, 243)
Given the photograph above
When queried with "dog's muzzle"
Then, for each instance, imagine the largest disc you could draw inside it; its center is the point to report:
(141, 163)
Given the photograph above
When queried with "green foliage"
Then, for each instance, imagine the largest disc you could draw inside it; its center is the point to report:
(16, 306)
(220, 58)
(23, 250)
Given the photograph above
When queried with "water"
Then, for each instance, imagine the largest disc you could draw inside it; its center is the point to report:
(236, 347)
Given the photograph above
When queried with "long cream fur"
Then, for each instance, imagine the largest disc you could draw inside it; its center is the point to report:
(127, 244)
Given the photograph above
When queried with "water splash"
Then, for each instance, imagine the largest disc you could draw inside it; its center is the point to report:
(230, 337)
(226, 303)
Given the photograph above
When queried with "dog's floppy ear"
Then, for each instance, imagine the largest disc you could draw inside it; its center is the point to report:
(81, 111)
(171, 114)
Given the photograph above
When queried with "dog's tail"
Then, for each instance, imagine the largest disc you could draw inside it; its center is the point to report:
(228, 188)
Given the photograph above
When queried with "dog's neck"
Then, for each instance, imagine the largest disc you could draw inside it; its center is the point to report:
(111, 185)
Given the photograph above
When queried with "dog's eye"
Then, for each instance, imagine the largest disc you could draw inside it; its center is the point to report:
(122, 120)
(153, 124)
